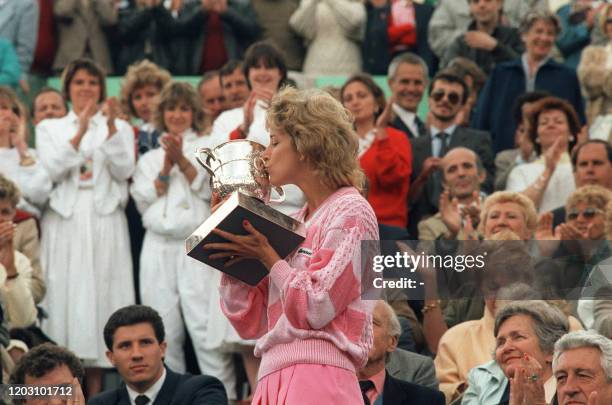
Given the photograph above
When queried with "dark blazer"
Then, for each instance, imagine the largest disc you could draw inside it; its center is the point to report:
(427, 204)
(135, 32)
(400, 125)
(398, 392)
(506, 83)
(178, 389)
(240, 29)
(375, 48)
(558, 216)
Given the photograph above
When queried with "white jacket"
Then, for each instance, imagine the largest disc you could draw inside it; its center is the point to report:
(113, 161)
(179, 211)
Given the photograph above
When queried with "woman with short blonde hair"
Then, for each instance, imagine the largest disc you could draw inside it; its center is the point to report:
(322, 132)
(508, 210)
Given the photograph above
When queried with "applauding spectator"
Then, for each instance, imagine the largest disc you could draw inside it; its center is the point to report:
(81, 26)
(333, 30)
(17, 161)
(487, 41)
(89, 157)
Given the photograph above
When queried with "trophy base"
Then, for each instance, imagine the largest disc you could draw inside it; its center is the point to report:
(283, 232)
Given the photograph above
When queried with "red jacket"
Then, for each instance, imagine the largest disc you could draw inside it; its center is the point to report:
(388, 166)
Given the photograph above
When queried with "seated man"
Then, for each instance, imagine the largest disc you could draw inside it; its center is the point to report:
(578, 365)
(134, 336)
(462, 175)
(48, 364)
(378, 386)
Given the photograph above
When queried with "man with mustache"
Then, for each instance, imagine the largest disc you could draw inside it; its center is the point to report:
(447, 94)
(134, 336)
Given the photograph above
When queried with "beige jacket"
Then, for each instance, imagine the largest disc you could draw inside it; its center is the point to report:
(16, 294)
(80, 26)
(596, 81)
(26, 241)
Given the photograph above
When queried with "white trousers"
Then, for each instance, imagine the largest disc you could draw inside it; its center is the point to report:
(178, 286)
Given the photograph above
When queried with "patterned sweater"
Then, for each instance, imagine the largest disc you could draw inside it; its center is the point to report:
(308, 310)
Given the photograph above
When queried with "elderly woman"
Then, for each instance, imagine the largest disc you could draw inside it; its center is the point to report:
(595, 74)
(525, 334)
(548, 181)
(535, 70)
(140, 91)
(505, 210)
(89, 157)
(333, 30)
(385, 154)
(17, 161)
(304, 342)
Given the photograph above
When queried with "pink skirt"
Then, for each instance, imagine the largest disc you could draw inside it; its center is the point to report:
(308, 384)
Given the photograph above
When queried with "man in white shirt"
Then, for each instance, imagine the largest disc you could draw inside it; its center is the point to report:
(134, 336)
(408, 76)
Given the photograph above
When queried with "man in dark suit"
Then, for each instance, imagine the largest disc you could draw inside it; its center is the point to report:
(134, 336)
(407, 78)
(377, 385)
(447, 94)
(592, 163)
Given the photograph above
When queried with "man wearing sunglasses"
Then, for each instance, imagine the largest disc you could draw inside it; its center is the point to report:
(447, 94)
(592, 163)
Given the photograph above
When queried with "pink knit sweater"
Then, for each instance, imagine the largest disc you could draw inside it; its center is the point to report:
(308, 310)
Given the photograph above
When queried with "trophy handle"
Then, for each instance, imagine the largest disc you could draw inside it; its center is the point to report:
(281, 194)
(209, 153)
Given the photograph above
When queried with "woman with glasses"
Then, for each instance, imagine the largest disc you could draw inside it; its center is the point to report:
(385, 153)
(548, 181)
(595, 74)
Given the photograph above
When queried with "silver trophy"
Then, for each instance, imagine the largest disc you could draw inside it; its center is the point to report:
(238, 175)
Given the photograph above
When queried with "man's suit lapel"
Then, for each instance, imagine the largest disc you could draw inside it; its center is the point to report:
(459, 138)
(395, 394)
(166, 394)
(124, 398)
(399, 124)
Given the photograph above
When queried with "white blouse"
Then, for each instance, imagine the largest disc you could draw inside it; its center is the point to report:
(112, 161)
(184, 206)
(560, 186)
(33, 181)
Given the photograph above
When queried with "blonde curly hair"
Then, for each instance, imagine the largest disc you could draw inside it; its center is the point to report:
(144, 73)
(592, 194)
(500, 197)
(322, 131)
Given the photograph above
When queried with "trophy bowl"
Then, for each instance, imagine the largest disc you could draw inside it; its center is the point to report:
(238, 166)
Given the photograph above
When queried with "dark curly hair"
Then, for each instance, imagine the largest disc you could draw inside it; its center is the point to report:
(43, 359)
(553, 104)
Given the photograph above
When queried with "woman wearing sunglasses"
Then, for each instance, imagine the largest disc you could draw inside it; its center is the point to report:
(385, 153)
(548, 181)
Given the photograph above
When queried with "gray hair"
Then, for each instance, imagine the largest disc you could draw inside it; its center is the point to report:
(537, 15)
(409, 58)
(582, 338)
(603, 325)
(549, 323)
(394, 328)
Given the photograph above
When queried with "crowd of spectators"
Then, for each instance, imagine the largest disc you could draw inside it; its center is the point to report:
(477, 120)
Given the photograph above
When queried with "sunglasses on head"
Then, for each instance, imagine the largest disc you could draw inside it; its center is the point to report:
(451, 96)
(588, 213)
